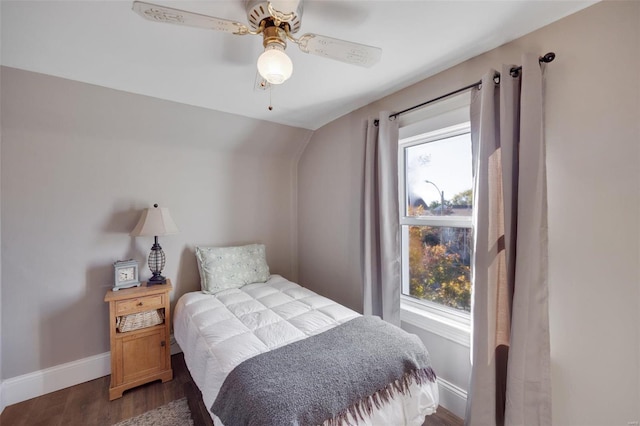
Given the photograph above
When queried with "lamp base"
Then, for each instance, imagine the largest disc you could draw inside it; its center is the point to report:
(155, 280)
(156, 264)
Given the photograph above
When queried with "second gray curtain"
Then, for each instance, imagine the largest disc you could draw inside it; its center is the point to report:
(510, 376)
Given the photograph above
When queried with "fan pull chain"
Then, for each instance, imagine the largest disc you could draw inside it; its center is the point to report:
(270, 106)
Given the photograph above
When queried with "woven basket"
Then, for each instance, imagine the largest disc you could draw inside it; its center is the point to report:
(140, 320)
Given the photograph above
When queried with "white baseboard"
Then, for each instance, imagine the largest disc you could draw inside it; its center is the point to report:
(452, 397)
(31, 385)
(38, 383)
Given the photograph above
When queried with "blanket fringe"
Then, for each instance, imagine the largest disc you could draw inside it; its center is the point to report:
(365, 406)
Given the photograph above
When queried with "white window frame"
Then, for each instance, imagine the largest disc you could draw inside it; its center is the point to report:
(444, 321)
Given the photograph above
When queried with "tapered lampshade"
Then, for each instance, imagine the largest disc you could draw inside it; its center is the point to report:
(153, 223)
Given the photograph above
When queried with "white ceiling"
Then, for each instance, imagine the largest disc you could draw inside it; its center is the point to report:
(107, 44)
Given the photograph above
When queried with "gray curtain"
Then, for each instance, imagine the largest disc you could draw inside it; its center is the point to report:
(510, 376)
(381, 233)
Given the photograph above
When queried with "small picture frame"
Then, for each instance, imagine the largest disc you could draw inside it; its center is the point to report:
(125, 274)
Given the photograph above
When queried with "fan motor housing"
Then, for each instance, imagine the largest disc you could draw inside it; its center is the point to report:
(258, 10)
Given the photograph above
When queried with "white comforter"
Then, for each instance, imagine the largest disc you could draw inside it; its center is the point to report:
(218, 332)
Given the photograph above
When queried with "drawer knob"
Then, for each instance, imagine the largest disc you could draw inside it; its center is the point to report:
(139, 303)
(162, 343)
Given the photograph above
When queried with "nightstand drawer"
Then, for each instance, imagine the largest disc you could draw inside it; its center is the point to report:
(138, 304)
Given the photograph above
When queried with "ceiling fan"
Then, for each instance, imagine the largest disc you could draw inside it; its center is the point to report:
(276, 21)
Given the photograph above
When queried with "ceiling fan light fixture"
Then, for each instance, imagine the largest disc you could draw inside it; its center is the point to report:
(284, 10)
(274, 65)
(275, 21)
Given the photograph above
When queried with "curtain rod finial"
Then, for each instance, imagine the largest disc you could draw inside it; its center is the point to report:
(549, 57)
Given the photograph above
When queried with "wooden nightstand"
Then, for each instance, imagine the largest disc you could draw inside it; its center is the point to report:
(143, 355)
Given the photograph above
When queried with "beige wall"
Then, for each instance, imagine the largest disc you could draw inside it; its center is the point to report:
(79, 162)
(593, 160)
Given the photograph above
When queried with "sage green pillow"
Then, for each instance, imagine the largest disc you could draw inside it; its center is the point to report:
(231, 267)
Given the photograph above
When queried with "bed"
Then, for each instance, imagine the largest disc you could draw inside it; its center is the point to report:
(257, 329)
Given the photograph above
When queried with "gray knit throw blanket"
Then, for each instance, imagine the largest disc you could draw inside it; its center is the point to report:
(347, 370)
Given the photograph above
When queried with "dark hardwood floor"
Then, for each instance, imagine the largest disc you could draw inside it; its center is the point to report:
(88, 403)
(443, 417)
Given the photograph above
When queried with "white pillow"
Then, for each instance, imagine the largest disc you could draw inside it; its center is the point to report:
(231, 267)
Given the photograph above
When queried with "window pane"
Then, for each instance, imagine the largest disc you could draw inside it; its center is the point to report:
(439, 265)
(439, 173)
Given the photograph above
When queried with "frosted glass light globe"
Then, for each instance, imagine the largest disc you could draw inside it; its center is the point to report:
(274, 65)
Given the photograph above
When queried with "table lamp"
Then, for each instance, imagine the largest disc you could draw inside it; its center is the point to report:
(155, 222)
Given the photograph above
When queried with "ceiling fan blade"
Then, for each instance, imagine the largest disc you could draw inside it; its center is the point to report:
(340, 50)
(154, 12)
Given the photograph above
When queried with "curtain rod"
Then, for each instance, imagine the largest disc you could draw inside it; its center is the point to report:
(513, 71)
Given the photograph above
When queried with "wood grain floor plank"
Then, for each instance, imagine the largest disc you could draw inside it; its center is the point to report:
(442, 417)
(49, 408)
(83, 404)
(14, 415)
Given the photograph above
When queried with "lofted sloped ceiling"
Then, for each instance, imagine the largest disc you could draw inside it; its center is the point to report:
(105, 43)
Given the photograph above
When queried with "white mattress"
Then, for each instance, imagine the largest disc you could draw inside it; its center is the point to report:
(218, 332)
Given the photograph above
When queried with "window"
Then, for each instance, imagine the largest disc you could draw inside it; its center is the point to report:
(435, 218)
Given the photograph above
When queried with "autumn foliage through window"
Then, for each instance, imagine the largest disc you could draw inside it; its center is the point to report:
(436, 218)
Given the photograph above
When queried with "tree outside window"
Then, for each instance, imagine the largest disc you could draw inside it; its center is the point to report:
(436, 218)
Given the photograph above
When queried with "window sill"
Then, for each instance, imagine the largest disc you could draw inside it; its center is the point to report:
(456, 328)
